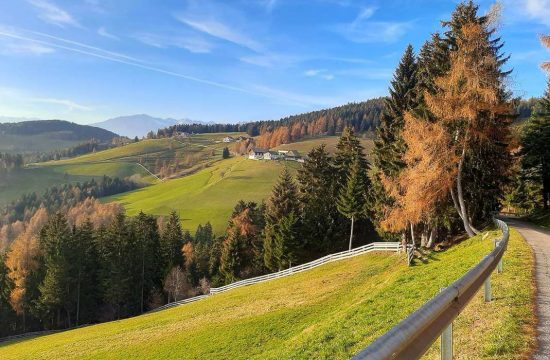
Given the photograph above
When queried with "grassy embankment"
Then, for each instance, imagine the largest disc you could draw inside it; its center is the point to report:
(329, 312)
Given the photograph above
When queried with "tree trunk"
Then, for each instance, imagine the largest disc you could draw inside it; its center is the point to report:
(424, 237)
(351, 233)
(433, 235)
(412, 235)
(78, 299)
(460, 195)
(142, 276)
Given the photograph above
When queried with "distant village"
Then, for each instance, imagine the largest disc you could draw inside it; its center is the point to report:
(267, 154)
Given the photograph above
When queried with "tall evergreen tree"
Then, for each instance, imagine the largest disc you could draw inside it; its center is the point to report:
(389, 145)
(348, 150)
(320, 218)
(8, 319)
(150, 260)
(535, 141)
(172, 242)
(84, 273)
(282, 203)
(351, 200)
(56, 288)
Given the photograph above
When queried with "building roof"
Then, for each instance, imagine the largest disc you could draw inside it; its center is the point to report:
(259, 150)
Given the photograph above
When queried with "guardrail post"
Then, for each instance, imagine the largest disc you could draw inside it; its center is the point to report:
(488, 296)
(447, 343)
(499, 266)
(446, 349)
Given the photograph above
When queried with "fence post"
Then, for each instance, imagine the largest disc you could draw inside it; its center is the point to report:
(488, 296)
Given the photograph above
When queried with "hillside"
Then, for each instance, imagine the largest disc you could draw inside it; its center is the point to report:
(330, 312)
(208, 195)
(124, 161)
(137, 125)
(47, 135)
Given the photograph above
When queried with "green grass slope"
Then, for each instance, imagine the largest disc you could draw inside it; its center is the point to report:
(330, 312)
(304, 146)
(117, 162)
(208, 195)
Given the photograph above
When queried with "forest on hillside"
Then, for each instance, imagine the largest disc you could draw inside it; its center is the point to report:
(446, 157)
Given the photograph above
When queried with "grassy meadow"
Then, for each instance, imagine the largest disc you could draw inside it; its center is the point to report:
(304, 146)
(330, 312)
(117, 162)
(209, 194)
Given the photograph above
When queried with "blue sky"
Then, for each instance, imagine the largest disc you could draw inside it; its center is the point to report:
(226, 61)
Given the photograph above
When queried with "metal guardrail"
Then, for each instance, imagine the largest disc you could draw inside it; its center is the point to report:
(377, 246)
(413, 336)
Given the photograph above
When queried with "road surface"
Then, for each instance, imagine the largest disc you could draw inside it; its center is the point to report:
(539, 239)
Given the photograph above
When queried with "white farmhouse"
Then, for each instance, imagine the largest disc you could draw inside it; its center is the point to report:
(228, 139)
(272, 155)
(257, 153)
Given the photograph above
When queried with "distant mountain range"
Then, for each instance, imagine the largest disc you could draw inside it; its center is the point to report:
(139, 125)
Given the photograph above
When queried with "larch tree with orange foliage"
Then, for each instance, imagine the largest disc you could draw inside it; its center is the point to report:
(471, 116)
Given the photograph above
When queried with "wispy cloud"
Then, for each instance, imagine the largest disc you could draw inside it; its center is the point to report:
(363, 29)
(193, 44)
(53, 14)
(102, 31)
(535, 9)
(321, 73)
(95, 52)
(19, 97)
(70, 105)
(26, 48)
(220, 30)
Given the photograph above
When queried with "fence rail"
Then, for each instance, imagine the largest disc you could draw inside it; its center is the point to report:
(377, 246)
(413, 336)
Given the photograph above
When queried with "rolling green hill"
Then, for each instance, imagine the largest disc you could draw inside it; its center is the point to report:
(117, 162)
(47, 135)
(304, 146)
(330, 312)
(208, 195)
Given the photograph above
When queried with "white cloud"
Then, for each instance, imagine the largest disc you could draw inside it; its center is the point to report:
(321, 73)
(192, 44)
(26, 48)
(538, 9)
(69, 104)
(53, 14)
(220, 30)
(102, 31)
(364, 30)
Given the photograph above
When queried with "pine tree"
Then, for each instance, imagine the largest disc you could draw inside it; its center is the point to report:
(285, 242)
(172, 242)
(389, 145)
(225, 153)
(150, 261)
(282, 203)
(84, 273)
(55, 290)
(230, 261)
(317, 193)
(535, 141)
(8, 320)
(351, 200)
(348, 150)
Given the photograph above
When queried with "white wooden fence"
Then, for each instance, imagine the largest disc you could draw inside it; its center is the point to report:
(377, 246)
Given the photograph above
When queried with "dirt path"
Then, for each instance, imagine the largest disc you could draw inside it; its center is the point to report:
(539, 239)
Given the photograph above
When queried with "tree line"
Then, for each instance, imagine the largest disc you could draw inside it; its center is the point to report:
(362, 116)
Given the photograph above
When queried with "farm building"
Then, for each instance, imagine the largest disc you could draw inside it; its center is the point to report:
(272, 155)
(228, 139)
(257, 153)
